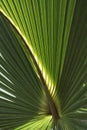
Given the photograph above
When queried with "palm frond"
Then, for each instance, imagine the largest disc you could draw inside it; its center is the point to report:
(43, 57)
(19, 87)
(73, 83)
(45, 25)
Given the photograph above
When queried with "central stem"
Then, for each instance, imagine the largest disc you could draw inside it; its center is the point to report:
(51, 103)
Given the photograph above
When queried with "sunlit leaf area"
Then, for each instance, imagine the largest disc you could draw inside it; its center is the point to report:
(43, 64)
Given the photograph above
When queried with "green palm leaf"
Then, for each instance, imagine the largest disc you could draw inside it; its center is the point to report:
(19, 97)
(43, 57)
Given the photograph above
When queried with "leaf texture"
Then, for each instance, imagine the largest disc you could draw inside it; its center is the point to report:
(56, 33)
(19, 87)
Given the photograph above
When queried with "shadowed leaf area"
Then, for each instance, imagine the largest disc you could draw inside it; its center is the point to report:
(43, 65)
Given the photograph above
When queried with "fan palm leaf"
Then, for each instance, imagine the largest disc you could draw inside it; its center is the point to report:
(43, 71)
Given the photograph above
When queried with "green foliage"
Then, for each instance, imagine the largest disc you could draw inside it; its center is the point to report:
(43, 64)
